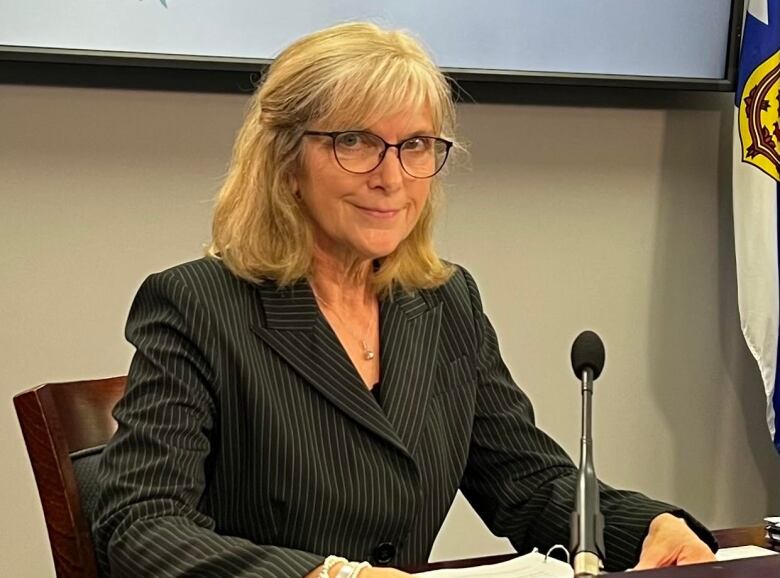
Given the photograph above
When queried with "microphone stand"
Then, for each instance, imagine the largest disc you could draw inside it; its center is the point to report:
(587, 523)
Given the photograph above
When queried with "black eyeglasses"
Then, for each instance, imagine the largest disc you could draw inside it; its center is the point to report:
(361, 152)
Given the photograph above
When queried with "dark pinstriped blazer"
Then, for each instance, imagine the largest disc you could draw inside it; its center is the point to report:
(249, 446)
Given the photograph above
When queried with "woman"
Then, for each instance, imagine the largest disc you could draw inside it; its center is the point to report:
(322, 383)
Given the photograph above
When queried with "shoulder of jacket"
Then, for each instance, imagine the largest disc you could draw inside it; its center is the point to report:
(203, 278)
(458, 286)
(198, 272)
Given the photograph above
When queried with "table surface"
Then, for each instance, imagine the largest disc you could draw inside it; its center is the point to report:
(763, 567)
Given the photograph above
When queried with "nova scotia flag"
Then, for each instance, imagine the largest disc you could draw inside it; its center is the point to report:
(756, 188)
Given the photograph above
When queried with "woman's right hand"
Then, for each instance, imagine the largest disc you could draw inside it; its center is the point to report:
(383, 573)
(371, 572)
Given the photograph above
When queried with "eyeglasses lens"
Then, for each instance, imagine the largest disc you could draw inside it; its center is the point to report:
(359, 152)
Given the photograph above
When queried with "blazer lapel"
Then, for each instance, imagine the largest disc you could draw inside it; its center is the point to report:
(293, 326)
(409, 341)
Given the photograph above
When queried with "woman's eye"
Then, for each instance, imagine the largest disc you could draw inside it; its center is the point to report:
(351, 140)
(416, 144)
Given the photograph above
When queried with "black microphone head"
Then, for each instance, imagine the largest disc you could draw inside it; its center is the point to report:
(587, 352)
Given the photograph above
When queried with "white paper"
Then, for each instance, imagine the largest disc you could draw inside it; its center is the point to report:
(531, 565)
(742, 552)
(534, 565)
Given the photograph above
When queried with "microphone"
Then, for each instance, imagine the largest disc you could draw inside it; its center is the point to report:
(587, 523)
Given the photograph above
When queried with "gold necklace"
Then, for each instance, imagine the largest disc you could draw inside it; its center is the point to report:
(368, 353)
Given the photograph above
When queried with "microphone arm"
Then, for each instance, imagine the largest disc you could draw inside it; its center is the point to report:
(587, 523)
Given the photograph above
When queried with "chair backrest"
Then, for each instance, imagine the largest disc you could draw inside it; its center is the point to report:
(61, 424)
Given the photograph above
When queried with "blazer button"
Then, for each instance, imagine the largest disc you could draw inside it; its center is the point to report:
(383, 554)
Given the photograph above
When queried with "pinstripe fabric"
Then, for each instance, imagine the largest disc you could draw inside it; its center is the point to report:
(248, 445)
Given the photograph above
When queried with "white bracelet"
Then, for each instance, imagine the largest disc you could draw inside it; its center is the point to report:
(358, 568)
(329, 563)
(346, 571)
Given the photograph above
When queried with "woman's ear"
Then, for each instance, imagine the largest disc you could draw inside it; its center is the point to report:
(295, 187)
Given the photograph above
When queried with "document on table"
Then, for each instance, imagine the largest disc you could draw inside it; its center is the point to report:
(536, 565)
(743, 552)
(533, 565)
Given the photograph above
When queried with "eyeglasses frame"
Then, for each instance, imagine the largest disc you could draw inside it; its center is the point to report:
(397, 146)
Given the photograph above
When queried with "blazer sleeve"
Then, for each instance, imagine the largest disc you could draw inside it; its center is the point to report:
(523, 484)
(152, 473)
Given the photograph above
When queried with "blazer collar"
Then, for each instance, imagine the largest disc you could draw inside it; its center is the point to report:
(290, 308)
(294, 307)
(290, 322)
(409, 342)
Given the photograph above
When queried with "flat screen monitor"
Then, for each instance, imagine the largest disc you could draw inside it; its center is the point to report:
(663, 43)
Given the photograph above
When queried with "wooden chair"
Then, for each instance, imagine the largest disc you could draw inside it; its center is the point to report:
(65, 427)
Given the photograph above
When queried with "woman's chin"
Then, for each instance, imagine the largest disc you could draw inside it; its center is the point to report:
(379, 251)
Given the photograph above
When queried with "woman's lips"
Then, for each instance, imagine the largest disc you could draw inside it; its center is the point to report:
(379, 213)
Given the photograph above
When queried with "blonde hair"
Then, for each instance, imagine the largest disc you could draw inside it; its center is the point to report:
(347, 75)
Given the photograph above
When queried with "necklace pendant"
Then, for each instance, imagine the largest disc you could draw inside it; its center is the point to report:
(368, 354)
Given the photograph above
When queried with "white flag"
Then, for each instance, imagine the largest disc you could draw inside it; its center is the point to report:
(756, 188)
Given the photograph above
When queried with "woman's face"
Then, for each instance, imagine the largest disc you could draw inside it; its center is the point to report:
(363, 216)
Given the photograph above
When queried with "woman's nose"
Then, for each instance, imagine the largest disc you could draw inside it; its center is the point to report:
(390, 172)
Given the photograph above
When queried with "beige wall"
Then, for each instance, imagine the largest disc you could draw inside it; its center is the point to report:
(606, 210)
